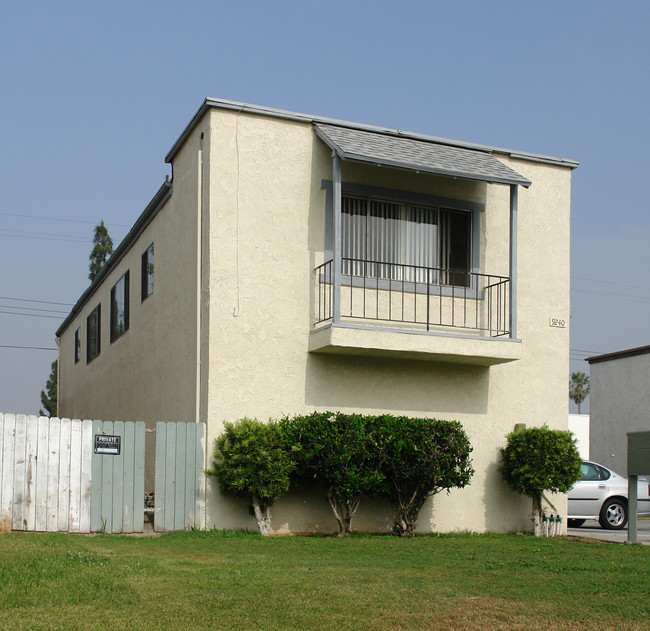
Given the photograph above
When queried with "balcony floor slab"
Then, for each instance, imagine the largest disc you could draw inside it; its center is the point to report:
(345, 339)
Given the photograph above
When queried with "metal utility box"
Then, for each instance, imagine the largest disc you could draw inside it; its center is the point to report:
(638, 463)
(638, 453)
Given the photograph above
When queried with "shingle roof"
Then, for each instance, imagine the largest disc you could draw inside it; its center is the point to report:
(418, 155)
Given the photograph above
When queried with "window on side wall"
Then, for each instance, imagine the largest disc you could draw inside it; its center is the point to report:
(120, 307)
(147, 273)
(93, 333)
(398, 241)
(77, 345)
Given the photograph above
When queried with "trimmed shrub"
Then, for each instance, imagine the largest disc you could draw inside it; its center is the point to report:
(339, 452)
(421, 457)
(540, 459)
(252, 460)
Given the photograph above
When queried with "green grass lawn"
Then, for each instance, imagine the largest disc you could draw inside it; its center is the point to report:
(216, 580)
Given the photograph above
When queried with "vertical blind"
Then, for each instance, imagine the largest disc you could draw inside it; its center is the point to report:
(400, 241)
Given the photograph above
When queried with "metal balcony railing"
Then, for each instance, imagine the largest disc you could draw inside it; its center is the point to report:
(426, 298)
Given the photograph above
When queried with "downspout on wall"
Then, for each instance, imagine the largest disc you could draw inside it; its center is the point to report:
(514, 209)
(336, 268)
(199, 279)
(201, 519)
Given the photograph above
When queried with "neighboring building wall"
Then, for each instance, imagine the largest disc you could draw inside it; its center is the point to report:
(261, 315)
(579, 425)
(619, 403)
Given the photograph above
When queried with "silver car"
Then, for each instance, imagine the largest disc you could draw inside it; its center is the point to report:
(602, 494)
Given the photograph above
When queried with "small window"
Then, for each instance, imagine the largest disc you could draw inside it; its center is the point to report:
(77, 345)
(147, 272)
(120, 308)
(93, 333)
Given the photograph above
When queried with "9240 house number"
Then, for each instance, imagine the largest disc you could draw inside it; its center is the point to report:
(558, 322)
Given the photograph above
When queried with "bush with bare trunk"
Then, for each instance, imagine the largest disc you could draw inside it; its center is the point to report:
(540, 459)
(251, 459)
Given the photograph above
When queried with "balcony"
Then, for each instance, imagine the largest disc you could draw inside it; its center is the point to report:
(435, 314)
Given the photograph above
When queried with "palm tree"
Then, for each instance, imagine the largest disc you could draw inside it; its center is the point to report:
(578, 388)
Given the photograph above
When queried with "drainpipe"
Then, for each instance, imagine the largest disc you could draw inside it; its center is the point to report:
(201, 519)
(199, 222)
(514, 209)
(336, 265)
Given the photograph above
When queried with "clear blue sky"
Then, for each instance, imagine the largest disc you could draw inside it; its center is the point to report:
(94, 95)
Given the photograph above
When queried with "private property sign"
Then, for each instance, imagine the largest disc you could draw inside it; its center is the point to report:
(108, 445)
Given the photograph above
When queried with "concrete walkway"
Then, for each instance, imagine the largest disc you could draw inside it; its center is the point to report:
(592, 530)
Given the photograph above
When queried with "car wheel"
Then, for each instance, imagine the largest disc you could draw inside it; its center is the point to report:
(613, 514)
(575, 523)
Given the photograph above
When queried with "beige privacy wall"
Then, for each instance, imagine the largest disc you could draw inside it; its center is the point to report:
(228, 330)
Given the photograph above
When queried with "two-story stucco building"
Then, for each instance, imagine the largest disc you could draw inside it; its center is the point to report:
(297, 263)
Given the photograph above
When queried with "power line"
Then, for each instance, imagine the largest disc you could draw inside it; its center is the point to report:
(33, 309)
(35, 348)
(578, 350)
(578, 354)
(46, 234)
(606, 294)
(46, 302)
(610, 282)
(110, 223)
(19, 236)
(31, 315)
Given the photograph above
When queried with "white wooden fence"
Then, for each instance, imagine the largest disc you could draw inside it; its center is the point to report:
(52, 479)
(45, 480)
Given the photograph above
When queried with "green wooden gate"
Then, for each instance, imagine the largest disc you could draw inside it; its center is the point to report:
(117, 488)
(180, 482)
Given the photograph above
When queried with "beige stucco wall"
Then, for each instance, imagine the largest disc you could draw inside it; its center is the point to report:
(149, 373)
(266, 236)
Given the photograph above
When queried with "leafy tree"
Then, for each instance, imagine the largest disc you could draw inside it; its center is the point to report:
(48, 396)
(578, 388)
(422, 457)
(102, 250)
(251, 460)
(340, 452)
(539, 459)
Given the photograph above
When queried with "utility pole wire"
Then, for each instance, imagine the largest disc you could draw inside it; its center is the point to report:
(47, 302)
(35, 348)
(31, 315)
(122, 225)
(33, 309)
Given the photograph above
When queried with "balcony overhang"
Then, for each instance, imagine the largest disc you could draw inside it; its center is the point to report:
(346, 339)
(401, 152)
